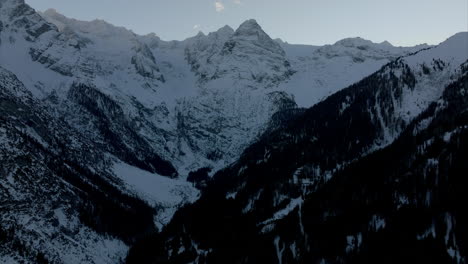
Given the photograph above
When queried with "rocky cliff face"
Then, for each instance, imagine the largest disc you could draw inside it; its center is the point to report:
(248, 56)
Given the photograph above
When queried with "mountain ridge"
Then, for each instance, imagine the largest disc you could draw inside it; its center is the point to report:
(122, 121)
(274, 203)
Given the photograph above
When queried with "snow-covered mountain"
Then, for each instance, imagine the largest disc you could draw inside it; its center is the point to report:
(199, 102)
(374, 173)
(322, 71)
(49, 187)
(110, 124)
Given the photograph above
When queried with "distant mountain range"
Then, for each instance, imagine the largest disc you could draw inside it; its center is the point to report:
(226, 147)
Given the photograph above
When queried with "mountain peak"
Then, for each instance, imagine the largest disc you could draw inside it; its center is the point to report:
(386, 43)
(223, 33)
(200, 34)
(280, 41)
(52, 12)
(226, 29)
(250, 33)
(152, 35)
(354, 42)
(454, 49)
(458, 37)
(249, 27)
(250, 30)
(249, 23)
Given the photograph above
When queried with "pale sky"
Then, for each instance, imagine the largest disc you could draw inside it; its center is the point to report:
(318, 22)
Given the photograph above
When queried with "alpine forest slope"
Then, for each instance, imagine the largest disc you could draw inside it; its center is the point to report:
(373, 174)
(58, 202)
(106, 134)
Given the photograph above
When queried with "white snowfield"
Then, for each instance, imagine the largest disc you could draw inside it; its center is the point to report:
(160, 192)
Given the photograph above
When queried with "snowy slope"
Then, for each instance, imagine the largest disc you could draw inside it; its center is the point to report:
(322, 71)
(40, 207)
(424, 73)
(143, 113)
(163, 193)
(206, 97)
(375, 172)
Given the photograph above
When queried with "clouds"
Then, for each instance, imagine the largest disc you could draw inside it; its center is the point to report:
(219, 6)
(196, 27)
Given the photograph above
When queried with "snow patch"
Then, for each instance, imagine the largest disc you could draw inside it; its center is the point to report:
(251, 202)
(161, 192)
(429, 232)
(231, 195)
(279, 251)
(297, 202)
(377, 223)
(353, 242)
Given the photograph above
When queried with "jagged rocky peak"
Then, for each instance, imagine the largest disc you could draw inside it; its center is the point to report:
(225, 31)
(220, 36)
(12, 10)
(200, 34)
(202, 41)
(228, 52)
(119, 45)
(152, 40)
(386, 43)
(250, 38)
(251, 31)
(54, 17)
(17, 15)
(250, 27)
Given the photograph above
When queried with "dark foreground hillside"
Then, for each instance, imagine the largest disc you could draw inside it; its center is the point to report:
(402, 203)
